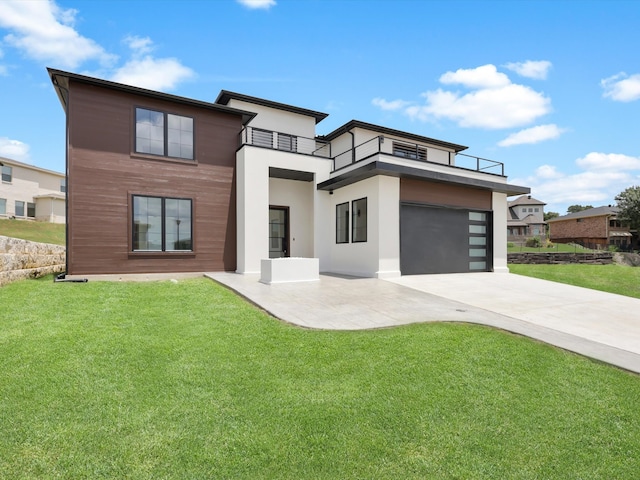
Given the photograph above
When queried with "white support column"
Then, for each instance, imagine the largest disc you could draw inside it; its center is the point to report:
(499, 206)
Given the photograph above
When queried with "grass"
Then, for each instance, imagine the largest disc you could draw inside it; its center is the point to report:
(43, 232)
(186, 380)
(612, 278)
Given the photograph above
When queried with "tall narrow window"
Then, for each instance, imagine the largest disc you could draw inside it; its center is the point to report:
(63, 185)
(19, 212)
(359, 220)
(166, 134)
(7, 173)
(3, 206)
(162, 224)
(342, 223)
(31, 210)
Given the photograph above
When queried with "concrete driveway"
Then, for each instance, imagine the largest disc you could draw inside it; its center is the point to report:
(596, 324)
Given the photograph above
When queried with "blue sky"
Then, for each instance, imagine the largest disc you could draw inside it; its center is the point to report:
(549, 88)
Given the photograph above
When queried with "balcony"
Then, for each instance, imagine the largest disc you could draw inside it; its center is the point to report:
(284, 142)
(415, 152)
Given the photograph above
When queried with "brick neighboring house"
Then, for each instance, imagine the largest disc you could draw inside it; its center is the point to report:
(525, 219)
(595, 228)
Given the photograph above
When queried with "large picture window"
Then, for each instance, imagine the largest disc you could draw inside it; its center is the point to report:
(342, 223)
(165, 134)
(162, 224)
(359, 220)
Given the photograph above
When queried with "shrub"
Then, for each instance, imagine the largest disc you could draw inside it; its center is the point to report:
(534, 242)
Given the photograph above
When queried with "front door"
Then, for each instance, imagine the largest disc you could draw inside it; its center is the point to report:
(278, 232)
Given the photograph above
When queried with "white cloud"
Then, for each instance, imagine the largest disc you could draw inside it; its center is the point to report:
(622, 87)
(486, 76)
(139, 45)
(536, 134)
(507, 106)
(14, 149)
(492, 102)
(602, 177)
(152, 73)
(531, 69)
(256, 4)
(389, 105)
(44, 32)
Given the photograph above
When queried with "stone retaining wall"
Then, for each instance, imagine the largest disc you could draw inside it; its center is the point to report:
(20, 259)
(558, 257)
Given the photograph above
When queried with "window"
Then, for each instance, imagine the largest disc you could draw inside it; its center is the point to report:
(409, 151)
(342, 223)
(31, 210)
(166, 134)
(162, 224)
(63, 185)
(19, 212)
(524, 210)
(3, 206)
(7, 174)
(359, 220)
(531, 210)
(536, 209)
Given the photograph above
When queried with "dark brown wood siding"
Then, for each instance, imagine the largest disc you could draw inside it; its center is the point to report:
(445, 194)
(104, 173)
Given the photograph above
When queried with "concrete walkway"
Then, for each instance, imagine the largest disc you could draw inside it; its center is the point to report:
(596, 324)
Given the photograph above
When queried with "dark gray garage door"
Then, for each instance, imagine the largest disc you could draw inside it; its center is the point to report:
(444, 240)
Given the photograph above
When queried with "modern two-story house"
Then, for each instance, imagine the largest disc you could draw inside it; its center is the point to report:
(162, 183)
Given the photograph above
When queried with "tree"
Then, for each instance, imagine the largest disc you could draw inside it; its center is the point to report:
(550, 215)
(578, 208)
(629, 205)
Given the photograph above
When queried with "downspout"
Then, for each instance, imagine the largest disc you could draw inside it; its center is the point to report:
(353, 146)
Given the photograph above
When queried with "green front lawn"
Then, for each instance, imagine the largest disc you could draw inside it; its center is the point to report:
(43, 232)
(612, 278)
(186, 380)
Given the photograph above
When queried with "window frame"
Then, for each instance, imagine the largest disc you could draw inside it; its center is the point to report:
(163, 226)
(3, 206)
(165, 135)
(4, 175)
(31, 208)
(63, 185)
(15, 211)
(355, 238)
(346, 228)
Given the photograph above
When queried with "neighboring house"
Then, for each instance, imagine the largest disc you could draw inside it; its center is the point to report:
(161, 183)
(595, 228)
(30, 192)
(525, 219)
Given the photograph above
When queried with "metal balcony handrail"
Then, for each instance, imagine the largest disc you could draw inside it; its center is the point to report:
(282, 141)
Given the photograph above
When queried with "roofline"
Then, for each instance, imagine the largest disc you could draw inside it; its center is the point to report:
(390, 131)
(225, 96)
(60, 80)
(585, 214)
(14, 163)
(393, 170)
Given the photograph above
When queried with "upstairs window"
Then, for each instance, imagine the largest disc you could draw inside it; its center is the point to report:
(162, 224)
(164, 134)
(63, 185)
(414, 152)
(7, 174)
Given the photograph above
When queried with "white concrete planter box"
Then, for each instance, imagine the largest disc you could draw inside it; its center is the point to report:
(293, 269)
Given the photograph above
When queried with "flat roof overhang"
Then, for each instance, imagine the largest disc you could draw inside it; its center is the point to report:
(392, 170)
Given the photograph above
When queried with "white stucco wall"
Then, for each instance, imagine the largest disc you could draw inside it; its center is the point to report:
(278, 120)
(499, 206)
(256, 191)
(379, 256)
